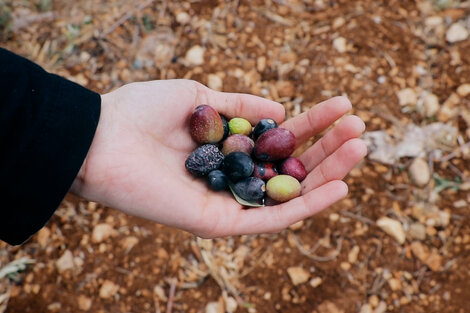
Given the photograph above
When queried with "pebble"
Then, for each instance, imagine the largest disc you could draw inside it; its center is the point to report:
(419, 172)
(456, 33)
(406, 97)
(340, 44)
(374, 301)
(296, 226)
(214, 307)
(392, 228)
(214, 82)
(328, 307)
(195, 56)
(108, 289)
(65, 262)
(315, 282)
(183, 18)
(231, 305)
(54, 307)
(261, 64)
(345, 266)
(285, 88)
(417, 231)
(84, 303)
(381, 308)
(430, 105)
(459, 204)
(353, 254)
(463, 90)
(298, 275)
(431, 258)
(129, 242)
(366, 308)
(43, 237)
(102, 232)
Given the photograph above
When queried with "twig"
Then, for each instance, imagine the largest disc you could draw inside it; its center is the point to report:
(358, 217)
(318, 258)
(171, 296)
(124, 18)
(454, 153)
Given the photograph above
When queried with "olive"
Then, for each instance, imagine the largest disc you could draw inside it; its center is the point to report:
(206, 125)
(238, 165)
(293, 167)
(217, 180)
(238, 142)
(262, 126)
(265, 170)
(274, 144)
(204, 159)
(240, 126)
(250, 189)
(282, 188)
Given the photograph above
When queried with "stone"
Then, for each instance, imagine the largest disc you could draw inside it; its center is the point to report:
(366, 308)
(328, 307)
(102, 232)
(340, 44)
(463, 90)
(297, 226)
(417, 231)
(108, 289)
(65, 262)
(261, 64)
(285, 88)
(214, 82)
(394, 284)
(195, 56)
(43, 237)
(54, 307)
(128, 243)
(298, 275)
(381, 308)
(353, 254)
(456, 33)
(407, 97)
(460, 204)
(183, 18)
(214, 307)
(315, 282)
(430, 105)
(84, 303)
(419, 172)
(392, 228)
(231, 305)
(430, 257)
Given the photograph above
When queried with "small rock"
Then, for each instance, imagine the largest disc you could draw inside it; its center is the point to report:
(419, 172)
(366, 308)
(160, 293)
(65, 262)
(463, 90)
(296, 226)
(102, 232)
(433, 21)
(84, 303)
(128, 243)
(195, 56)
(430, 105)
(381, 308)
(456, 33)
(394, 284)
(54, 307)
(328, 307)
(261, 64)
(231, 304)
(214, 82)
(338, 22)
(431, 258)
(108, 289)
(459, 204)
(183, 18)
(393, 228)
(340, 44)
(352, 255)
(43, 237)
(315, 282)
(407, 97)
(214, 307)
(374, 301)
(298, 275)
(345, 266)
(417, 231)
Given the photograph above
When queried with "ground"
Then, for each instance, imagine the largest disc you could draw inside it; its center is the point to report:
(400, 63)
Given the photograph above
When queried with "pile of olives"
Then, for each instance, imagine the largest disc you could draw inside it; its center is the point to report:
(255, 163)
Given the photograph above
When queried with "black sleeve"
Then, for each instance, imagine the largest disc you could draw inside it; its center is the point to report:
(47, 124)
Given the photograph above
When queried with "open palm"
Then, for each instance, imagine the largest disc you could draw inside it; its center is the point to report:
(136, 161)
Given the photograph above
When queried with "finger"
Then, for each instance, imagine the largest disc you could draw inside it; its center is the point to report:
(275, 218)
(317, 119)
(252, 108)
(350, 127)
(337, 165)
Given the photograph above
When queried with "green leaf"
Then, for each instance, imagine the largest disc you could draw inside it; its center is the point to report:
(242, 201)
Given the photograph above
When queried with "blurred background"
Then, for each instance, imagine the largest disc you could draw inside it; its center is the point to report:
(400, 242)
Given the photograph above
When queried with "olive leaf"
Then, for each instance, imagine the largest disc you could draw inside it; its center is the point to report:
(242, 201)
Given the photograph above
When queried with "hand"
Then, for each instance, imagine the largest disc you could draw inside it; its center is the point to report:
(136, 161)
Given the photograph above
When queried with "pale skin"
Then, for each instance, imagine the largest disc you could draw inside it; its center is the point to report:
(136, 160)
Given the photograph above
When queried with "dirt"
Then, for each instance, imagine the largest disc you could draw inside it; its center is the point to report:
(286, 50)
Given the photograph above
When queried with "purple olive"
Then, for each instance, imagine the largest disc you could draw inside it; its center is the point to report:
(206, 125)
(265, 170)
(274, 144)
(293, 167)
(237, 142)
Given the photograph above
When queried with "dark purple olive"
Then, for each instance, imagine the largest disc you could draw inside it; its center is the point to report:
(262, 126)
(226, 129)
(217, 180)
(238, 165)
(237, 142)
(250, 189)
(265, 170)
(274, 144)
(204, 159)
(293, 167)
(206, 125)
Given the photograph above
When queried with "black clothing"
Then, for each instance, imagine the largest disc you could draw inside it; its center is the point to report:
(47, 124)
